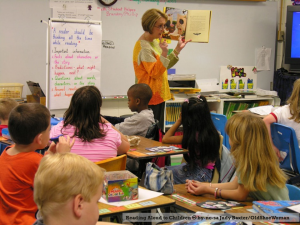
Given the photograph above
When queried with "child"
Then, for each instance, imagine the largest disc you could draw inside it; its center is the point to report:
(139, 96)
(200, 137)
(6, 105)
(95, 138)
(70, 195)
(288, 115)
(258, 172)
(29, 128)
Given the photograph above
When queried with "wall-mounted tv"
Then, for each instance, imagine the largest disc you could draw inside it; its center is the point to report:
(292, 42)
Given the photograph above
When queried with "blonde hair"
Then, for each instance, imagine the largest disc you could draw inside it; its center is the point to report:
(294, 101)
(63, 176)
(150, 18)
(255, 159)
(6, 105)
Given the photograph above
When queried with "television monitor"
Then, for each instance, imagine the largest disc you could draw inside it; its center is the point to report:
(292, 42)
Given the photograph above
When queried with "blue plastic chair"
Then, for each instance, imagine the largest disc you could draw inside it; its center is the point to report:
(284, 138)
(219, 121)
(294, 192)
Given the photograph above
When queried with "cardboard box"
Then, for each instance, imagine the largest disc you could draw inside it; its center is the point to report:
(120, 186)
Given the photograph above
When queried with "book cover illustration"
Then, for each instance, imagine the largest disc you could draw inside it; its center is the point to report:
(164, 149)
(191, 24)
(219, 205)
(277, 208)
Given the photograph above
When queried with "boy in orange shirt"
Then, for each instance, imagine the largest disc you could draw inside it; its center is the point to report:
(29, 128)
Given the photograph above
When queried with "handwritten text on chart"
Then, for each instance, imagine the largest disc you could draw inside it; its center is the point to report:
(74, 58)
(157, 1)
(119, 11)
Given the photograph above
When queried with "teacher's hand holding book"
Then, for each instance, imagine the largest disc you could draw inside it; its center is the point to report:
(180, 45)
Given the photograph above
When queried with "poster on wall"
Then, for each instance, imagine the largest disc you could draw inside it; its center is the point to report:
(238, 79)
(75, 60)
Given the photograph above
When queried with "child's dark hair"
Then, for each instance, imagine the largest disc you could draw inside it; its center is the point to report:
(84, 113)
(141, 91)
(200, 136)
(26, 121)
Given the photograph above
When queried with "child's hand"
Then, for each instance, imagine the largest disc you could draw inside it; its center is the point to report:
(196, 188)
(278, 153)
(63, 145)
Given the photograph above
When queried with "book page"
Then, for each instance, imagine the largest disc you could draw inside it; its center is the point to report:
(198, 25)
(176, 24)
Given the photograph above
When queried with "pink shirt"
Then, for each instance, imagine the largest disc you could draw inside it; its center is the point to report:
(97, 150)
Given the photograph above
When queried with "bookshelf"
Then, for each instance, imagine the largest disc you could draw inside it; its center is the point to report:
(173, 107)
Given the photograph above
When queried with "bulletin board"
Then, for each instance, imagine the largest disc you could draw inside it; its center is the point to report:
(75, 59)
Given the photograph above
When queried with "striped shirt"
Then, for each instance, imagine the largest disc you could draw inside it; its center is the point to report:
(151, 68)
(97, 150)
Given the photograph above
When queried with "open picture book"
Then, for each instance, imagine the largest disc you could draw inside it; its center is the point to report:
(192, 24)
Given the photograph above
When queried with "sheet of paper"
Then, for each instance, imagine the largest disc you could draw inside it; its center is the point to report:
(262, 110)
(143, 195)
(295, 208)
(207, 85)
(262, 58)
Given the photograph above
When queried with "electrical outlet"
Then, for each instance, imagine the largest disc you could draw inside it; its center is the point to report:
(280, 36)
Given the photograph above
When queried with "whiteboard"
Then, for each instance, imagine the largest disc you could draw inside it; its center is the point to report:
(237, 28)
(75, 60)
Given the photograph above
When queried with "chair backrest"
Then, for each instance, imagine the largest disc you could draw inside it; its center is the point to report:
(294, 192)
(219, 121)
(113, 164)
(153, 131)
(216, 175)
(284, 138)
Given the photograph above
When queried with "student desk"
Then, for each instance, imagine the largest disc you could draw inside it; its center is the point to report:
(139, 152)
(180, 189)
(161, 202)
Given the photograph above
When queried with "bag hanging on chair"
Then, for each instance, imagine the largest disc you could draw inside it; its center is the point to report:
(158, 179)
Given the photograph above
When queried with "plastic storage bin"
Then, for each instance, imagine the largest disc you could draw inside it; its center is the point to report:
(11, 90)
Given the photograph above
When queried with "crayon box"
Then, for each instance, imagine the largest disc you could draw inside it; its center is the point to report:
(120, 186)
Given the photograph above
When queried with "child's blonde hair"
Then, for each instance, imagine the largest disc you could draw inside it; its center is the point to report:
(255, 159)
(294, 101)
(6, 105)
(63, 176)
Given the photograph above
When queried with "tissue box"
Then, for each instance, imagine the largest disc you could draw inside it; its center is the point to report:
(120, 186)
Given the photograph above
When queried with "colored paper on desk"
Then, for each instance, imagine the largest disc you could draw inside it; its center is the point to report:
(137, 153)
(117, 208)
(132, 206)
(219, 204)
(147, 203)
(183, 199)
(3, 138)
(104, 211)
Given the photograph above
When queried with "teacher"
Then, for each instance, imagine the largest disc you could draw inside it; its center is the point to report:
(151, 60)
